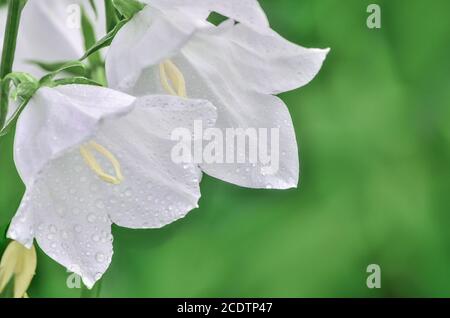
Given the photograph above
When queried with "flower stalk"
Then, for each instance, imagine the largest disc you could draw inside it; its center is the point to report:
(15, 8)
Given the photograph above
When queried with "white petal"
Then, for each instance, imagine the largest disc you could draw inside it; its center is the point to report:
(63, 192)
(155, 191)
(148, 38)
(50, 32)
(267, 62)
(68, 226)
(237, 108)
(56, 120)
(215, 75)
(245, 11)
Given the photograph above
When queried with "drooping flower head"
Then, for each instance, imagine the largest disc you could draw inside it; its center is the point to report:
(237, 66)
(92, 156)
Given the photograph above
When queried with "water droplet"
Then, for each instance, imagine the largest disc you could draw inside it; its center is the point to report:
(100, 257)
(99, 204)
(91, 218)
(52, 228)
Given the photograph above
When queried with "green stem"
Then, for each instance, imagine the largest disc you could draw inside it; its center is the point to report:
(15, 8)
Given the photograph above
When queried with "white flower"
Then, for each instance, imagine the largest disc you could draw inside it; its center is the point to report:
(50, 31)
(237, 67)
(92, 156)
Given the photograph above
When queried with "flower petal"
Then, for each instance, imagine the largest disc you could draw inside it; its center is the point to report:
(57, 119)
(216, 80)
(156, 190)
(67, 206)
(267, 62)
(68, 227)
(45, 23)
(148, 38)
(245, 11)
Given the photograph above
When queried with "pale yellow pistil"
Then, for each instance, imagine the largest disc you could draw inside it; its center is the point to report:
(90, 160)
(174, 83)
(172, 79)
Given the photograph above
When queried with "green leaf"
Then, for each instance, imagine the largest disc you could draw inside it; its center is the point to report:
(105, 41)
(70, 67)
(111, 15)
(128, 8)
(89, 39)
(52, 67)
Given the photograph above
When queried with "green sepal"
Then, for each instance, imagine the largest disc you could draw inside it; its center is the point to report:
(128, 8)
(111, 15)
(75, 80)
(54, 67)
(70, 67)
(105, 41)
(89, 39)
(13, 119)
(24, 85)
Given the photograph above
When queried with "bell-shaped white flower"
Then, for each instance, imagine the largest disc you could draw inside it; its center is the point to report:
(50, 32)
(92, 156)
(236, 66)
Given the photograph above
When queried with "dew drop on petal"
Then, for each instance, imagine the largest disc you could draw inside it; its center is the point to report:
(52, 228)
(99, 204)
(77, 228)
(91, 218)
(99, 257)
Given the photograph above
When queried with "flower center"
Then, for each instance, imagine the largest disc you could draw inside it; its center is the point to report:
(90, 160)
(172, 79)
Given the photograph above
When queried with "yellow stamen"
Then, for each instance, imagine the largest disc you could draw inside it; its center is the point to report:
(20, 263)
(172, 79)
(95, 166)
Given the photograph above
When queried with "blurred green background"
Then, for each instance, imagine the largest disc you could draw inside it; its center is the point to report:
(374, 134)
